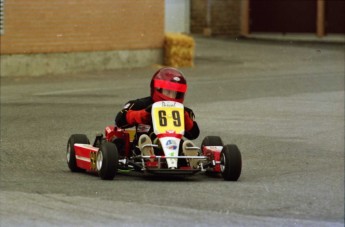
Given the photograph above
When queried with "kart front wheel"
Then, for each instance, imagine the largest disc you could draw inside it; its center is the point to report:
(70, 153)
(230, 162)
(212, 141)
(107, 161)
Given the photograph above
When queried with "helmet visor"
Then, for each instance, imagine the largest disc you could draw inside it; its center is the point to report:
(171, 94)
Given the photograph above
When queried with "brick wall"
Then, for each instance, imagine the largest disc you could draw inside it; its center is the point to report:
(224, 16)
(198, 16)
(42, 26)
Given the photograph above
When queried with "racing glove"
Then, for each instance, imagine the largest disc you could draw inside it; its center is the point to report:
(138, 117)
(188, 121)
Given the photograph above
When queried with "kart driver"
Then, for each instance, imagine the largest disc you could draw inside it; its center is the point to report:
(167, 84)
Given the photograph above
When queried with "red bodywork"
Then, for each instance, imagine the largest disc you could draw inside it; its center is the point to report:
(86, 154)
(214, 154)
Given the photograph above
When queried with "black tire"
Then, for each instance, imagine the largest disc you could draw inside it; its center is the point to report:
(230, 162)
(107, 161)
(70, 153)
(212, 141)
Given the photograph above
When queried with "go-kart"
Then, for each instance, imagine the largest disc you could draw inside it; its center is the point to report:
(115, 151)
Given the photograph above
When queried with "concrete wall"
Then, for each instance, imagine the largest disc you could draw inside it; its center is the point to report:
(75, 62)
(177, 16)
(42, 36)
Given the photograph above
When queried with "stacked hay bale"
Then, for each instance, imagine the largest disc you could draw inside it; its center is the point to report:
(178, 50)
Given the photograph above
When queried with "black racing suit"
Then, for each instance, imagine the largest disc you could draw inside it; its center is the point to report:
(143, 103)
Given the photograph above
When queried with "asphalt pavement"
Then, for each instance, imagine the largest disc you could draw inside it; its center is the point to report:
(282, 103)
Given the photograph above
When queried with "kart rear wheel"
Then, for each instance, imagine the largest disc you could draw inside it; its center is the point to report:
(70, 153)
(230, 162)
(212, 141)
(107, 161)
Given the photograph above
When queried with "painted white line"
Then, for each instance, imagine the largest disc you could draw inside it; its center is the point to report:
(87, 146)
(82, 158)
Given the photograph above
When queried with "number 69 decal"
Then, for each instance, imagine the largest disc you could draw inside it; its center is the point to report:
(163, 121)
(168, 118)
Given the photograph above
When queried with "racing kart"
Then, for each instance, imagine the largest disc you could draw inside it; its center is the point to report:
(115, 151)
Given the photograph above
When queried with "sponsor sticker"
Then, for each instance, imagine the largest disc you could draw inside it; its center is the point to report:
(171, 144)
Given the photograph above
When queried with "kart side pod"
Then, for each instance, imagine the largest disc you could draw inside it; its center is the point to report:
(213, 153)
(86, 155)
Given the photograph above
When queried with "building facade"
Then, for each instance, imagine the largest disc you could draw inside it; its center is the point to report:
(216, 17)
(58, 36)
(39, 37)
(243, 17)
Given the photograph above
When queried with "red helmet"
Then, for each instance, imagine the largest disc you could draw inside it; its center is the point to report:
(168, 84)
